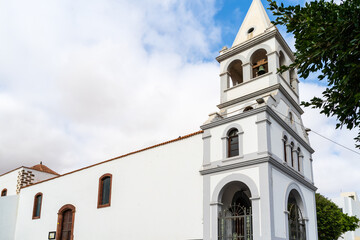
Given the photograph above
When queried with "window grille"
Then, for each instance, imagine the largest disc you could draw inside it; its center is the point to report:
(235, 223)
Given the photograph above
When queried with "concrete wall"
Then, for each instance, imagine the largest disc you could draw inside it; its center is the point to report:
(8, 213)
(352, 208)
(156, 194)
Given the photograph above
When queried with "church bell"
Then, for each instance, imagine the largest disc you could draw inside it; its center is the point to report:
(261, 70)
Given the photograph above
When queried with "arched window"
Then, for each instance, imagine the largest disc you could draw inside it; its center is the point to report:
(298, 159)
(297, 229)
(65, 224)
(292, 78)
(233, 143)
(104, 195)
(248, 108)
(235, 71)
(285, 143)
(282, 63)
(292, 153)
(4, 192)
(235, 216)
(291, 118)
(37, 206)
(259, 63)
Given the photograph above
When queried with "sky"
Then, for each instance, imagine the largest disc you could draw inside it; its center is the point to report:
(85, 81)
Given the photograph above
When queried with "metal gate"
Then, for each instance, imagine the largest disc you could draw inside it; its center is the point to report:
(235, 223)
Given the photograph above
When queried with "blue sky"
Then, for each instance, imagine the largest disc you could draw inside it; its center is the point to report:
(84, 81)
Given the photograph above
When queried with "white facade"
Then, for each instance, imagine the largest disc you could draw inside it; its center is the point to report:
(350, 204)
(253, 156)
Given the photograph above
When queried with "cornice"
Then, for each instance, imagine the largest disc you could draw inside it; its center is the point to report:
(233, 118)
(259, 39)
(284, 168)
(255, 111)
(294, 134)
(261, 92)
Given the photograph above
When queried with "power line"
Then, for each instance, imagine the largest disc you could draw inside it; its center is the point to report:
(319, 134)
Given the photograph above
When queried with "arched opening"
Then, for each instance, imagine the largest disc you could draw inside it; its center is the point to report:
(4, 192)
(235, 71)
(292, 78)
(259, 63)
(37, 206)
(235, 215)
(248, 108)
(285, 143)
(65, 224)
(233, 143)
(282, 63)
(298, 159)
(104, 193)
(292, 153)
(297, 230)
(291, 117)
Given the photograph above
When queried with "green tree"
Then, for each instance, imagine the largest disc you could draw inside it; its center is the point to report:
(331, 221)
(327, 39)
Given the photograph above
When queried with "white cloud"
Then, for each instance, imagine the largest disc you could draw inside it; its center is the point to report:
(335, 168)
(84, 81)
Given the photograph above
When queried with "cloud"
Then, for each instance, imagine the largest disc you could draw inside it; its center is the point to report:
(335, 168)
(84, 81)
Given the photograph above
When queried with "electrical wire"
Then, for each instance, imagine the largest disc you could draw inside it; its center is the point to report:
(319, 134)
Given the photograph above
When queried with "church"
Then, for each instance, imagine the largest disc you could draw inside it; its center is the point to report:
(245, 175)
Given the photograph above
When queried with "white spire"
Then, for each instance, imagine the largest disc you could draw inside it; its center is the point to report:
(256, 22)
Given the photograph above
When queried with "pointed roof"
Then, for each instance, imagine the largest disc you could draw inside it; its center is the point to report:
(42, 168)
(256, 22)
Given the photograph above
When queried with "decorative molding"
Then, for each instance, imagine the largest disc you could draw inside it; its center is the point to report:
(289, 129)
(233, 118)
(261, 92)
(251, 80)
(285, 169)
(255, 41)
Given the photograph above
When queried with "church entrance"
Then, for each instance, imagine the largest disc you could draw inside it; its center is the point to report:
(65, 228)
(235, 215)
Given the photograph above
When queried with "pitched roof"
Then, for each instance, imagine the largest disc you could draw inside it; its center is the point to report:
(125, 155)
(256, 19)
(42, 168)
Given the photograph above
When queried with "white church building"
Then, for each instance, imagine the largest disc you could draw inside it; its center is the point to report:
(246, 175)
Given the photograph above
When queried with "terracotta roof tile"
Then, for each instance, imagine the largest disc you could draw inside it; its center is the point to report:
(42, 168)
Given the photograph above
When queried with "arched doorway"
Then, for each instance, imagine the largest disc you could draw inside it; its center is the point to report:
(297, 228)
(235, 214)
(65, 224)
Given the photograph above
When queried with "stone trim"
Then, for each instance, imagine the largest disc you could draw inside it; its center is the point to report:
(271, 112)
(261, 92)
(256, 41)
(280, 166)
(60, 220)
(99, 205)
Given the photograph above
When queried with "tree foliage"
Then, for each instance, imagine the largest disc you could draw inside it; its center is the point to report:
(331, 221)
(327, 39)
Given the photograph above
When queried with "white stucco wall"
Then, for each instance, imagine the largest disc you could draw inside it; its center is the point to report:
(40, 176)
(277, 149)
(8, 213)
(249, 144)
(9, 181)
(156, 194)
(281, 184)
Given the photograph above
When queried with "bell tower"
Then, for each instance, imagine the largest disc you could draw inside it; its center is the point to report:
(257, 159)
